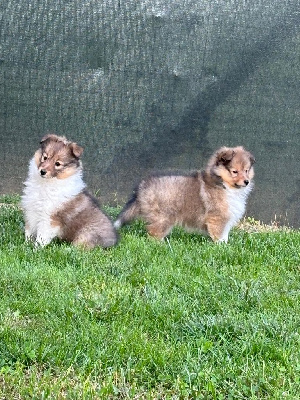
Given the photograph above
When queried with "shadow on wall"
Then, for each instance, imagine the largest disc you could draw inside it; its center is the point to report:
(191, 135)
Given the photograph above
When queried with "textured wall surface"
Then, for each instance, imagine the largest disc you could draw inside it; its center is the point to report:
(154, 84)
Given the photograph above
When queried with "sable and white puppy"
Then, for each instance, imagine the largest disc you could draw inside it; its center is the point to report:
(211, 201)
(55, 200)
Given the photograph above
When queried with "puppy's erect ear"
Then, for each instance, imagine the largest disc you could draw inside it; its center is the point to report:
(76, 149)
(224, 156)
(49, 136)
(251, 158)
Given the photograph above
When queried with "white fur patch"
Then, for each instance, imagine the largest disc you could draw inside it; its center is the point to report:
(117, 224)
(42, 197)
(237, 199)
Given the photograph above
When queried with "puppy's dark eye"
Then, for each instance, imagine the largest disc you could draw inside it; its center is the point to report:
(57, 164)
(246, 170)
(234, 172)
(44, 158)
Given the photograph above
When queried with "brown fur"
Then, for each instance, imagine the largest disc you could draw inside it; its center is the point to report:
(83, 223)
(201, 201)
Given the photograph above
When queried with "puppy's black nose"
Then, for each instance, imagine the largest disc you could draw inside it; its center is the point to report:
(246, 182)
(43, 172)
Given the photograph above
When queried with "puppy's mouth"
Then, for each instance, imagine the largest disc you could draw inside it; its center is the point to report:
(246, 183)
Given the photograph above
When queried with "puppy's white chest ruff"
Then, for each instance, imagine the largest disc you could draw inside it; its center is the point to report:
(42, 197)
(47, 195)
(236, 203)
(236, 199)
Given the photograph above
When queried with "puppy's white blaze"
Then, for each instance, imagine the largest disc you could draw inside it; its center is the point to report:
(43, 196)
(237, 199)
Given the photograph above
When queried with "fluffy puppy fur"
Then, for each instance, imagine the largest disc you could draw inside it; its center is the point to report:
(211, 201)
(55, 201)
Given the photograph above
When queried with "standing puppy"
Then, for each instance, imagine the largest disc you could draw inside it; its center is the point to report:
(212, 201)
(55, 201)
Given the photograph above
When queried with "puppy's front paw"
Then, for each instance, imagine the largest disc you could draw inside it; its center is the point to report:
(42, 241)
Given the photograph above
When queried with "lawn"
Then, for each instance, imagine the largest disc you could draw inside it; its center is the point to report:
(178, 319)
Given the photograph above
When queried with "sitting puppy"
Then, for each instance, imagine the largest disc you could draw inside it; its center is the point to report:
(211, 201)
(55, 201)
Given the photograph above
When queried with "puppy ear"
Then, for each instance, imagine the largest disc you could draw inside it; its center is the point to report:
(224, 156)
(252, 159)
(49, 136)
(76, 149)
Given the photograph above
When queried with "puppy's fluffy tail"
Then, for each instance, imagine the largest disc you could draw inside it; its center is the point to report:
(130, 211)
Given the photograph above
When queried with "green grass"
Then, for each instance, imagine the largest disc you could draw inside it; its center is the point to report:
(187, 319)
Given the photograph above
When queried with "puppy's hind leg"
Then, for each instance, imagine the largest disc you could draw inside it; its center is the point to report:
(159, 230)
(104, 237)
